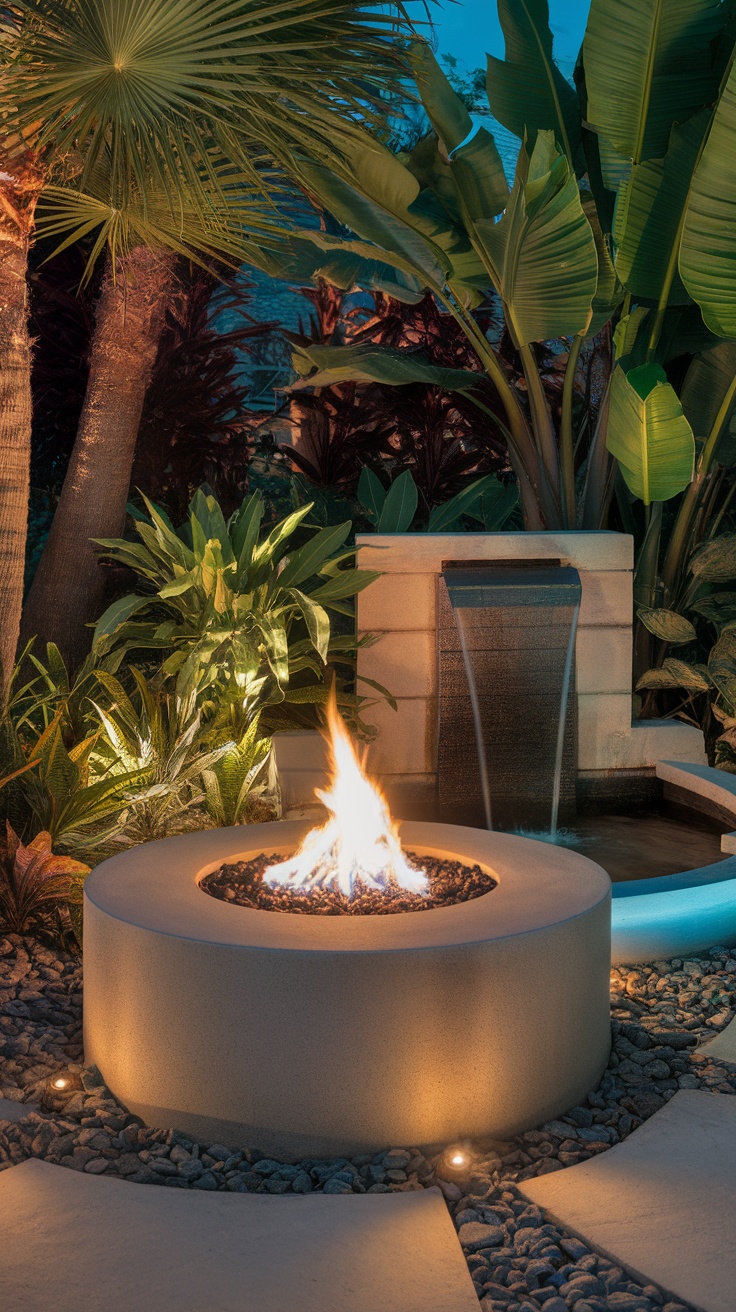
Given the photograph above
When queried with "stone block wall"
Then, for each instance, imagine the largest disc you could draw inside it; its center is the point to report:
(400, 609)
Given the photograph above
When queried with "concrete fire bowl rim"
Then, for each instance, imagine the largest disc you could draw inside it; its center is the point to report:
(156, 887)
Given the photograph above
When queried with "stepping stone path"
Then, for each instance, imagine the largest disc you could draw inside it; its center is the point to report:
(520, 1262)
(72, 1241)
(663, 1204)
(723, 1046)
(13, 1112)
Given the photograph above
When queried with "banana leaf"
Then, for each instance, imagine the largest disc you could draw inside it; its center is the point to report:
(543, 249)
(648, 65)
(477, 168)
(649, 211)
(708, 248)
(706, 384)
(373, 364)
(649, 435)
(526, 90)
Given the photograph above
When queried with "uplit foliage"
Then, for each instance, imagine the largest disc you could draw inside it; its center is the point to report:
(159, 739)
(37, 887)
(235, 613)
(702, 636)
(240, 786)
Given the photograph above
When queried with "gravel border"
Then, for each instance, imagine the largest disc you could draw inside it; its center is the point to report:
(518, 1262)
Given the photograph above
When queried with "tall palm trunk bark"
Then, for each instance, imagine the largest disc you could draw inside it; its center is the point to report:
(20, 185)
(67, 593)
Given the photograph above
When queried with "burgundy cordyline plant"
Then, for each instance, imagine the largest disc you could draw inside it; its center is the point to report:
(442, 437)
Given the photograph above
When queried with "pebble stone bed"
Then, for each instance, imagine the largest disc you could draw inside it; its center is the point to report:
(518, 1262)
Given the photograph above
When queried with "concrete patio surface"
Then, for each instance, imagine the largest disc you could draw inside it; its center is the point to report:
(72, 1241)
(663, 1203)
(16, 1111)
(723, 1046)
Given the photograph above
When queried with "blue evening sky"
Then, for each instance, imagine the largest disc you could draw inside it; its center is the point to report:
(471, 29)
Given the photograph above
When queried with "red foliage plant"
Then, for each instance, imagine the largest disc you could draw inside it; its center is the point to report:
(35, 883)
(195, 426)
(442, 437)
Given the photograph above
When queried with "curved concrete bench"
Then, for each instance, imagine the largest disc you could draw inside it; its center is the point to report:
(323, 1036)
(675, 915)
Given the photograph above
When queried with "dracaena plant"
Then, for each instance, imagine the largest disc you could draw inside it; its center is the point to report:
(59, 789)
(158, 740)
(237, 615)
(241, 786)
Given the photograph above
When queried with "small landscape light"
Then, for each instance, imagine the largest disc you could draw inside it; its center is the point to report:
(61, 1082)
(456, 1162)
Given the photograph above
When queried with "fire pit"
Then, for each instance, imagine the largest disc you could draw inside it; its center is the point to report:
(329, 1034)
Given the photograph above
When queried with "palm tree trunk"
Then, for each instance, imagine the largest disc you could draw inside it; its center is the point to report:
(19, 191)
(68, 590)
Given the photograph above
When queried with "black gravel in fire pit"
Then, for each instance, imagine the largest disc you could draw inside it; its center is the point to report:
(241, 884)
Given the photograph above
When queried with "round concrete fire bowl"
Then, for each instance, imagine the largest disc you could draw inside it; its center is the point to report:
(321, 1036)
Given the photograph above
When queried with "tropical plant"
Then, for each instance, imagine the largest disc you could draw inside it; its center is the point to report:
(621, 216)
(440, 436)
(702, 632)
(195, 426)
(59, 790)
(157, 739)
(241, 786)
(37, 886)
(487, 501)
(238, 615)
(161, 138)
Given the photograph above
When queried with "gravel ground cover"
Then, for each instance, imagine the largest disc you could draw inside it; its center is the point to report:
(518, 1262)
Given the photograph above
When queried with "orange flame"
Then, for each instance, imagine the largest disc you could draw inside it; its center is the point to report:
(359, 842)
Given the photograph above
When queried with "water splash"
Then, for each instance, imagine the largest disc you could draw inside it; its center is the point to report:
(564, 698)
(485, 785)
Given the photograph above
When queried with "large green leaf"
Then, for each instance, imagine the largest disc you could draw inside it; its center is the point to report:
(648, 65)
(668, 625)
(376, 207)
(301, 261)
(371, 493)
(374, 364)
(676, 674)
(479, 176)
(543, 249)
(477, 167)
(707, 381)
(708, 248)
(715, 562)
(400, 505)
(308, 560)
(527, 91)
(649, 212)
(117, 614)
(446, 111)
(468, 502)
(649, 435)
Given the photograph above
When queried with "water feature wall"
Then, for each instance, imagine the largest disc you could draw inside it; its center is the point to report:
(505, 647)
(401, 609)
